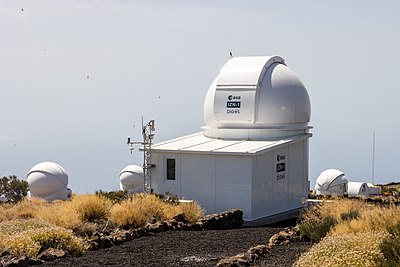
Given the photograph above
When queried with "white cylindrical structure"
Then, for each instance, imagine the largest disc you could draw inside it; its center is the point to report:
(256, 98)
(131, 179)
(331, 182)
(374, 189)
(355, 189)
(48, 180)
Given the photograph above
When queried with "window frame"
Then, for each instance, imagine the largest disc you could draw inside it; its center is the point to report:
(167, 168)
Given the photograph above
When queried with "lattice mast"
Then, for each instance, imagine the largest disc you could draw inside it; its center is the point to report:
(148, 136)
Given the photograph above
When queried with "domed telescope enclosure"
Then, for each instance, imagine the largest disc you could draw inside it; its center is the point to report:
(331, 182)
(253, 151)
(357, 189)
(256, 98)
(48, 180)
(131, 179)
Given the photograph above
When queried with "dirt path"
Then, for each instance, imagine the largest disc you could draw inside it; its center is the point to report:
(188, 248)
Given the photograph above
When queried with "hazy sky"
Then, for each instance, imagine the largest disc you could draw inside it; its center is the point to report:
(76, 77)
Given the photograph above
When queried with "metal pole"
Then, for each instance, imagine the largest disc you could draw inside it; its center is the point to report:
(373, 157)
(148, 136)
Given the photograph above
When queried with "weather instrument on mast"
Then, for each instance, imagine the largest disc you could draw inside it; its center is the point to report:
(148, 136)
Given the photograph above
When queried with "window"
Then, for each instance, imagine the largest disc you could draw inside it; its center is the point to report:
(170, 169)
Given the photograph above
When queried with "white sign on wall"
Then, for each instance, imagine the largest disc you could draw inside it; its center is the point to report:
(234, 105)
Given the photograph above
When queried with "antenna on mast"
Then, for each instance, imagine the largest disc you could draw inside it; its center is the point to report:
(373, 157)
(148, 137)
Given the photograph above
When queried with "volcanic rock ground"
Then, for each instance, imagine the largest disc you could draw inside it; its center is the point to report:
(190, 248)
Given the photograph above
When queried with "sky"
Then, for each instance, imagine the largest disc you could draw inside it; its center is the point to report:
(76, 77)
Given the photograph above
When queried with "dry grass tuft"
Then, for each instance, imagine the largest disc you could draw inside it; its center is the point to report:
(60, 213)
(31, 236)
(360, 249)
(24, 209)
(141, 208)
(138, 210)
(91, 207)
(355, 239)
(369, 217)
(192, 211)
(31, 226)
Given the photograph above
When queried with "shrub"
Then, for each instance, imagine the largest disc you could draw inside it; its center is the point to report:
(60, 213)
(168, 197)
(58, 238)
(316, 229)
(30, 237)
(350, 215)
(12, 189)
(128, 214)
(142, 208)
(91, 207)
(192, 211)
(390, 246)
(138, 210)
(24, 209)
(359, 249)
(114, 196)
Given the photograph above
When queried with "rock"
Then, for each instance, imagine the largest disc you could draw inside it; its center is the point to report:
(286, 236)
(181, 218)
(245, 259)
(20, 262)
(6, 252)
(141, 232)
(259, 250)
(238, 260)
(167, 226)
(225, 220)
(155, 228)
(90, 245)
(51, 254)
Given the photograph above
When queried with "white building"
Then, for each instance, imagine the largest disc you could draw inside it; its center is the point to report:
(49, 181)
(331, 182)
(253, 151)
(374, 190)
(131, 179)
(356, 189)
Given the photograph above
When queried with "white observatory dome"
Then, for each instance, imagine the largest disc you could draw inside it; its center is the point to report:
(355, 189)
(48, 180)
(131, 179)
(331, 182)
(256, 98)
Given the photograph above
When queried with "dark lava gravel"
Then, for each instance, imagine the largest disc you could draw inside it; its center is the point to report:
(188, 248)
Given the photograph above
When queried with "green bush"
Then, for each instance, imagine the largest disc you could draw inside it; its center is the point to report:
(59, 239)
(390, 246)
(32, 236)
(316, 229)
(350, 215)
(168, 197)
(114, 196)
(12, 189)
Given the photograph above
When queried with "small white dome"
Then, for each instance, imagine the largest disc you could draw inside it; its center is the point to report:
(46, 179)
(331, 182)
(131, 179)
(357, 189)
(256, 94)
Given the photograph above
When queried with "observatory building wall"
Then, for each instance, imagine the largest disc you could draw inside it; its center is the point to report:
(280, 180)
(217, 182)
(269, 181)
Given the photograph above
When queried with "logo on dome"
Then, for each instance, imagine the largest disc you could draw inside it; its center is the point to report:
(234, 97)
(280, 158)
(233, 106)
